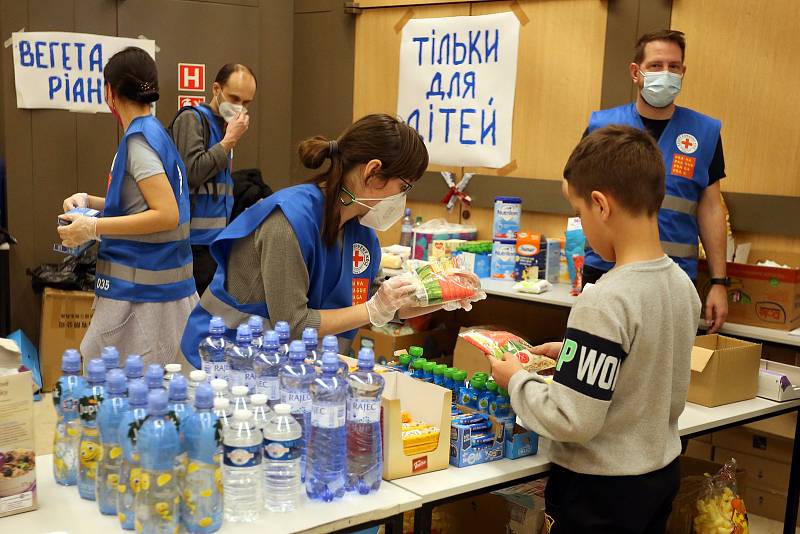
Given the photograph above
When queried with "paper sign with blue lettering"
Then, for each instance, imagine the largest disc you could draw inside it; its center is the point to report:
(457, 81)
(61, 70)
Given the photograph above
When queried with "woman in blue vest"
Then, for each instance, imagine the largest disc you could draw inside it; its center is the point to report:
(206, 136)
(144, 289)
(308, 254)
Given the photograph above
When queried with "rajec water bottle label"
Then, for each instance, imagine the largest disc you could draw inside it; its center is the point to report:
(216, 369)
(282, 450)
(242, 456)
(330, 416)
(300, 401)
(269, 386)
(363, 411)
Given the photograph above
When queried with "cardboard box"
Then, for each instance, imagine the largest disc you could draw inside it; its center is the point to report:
(463, 453)
(423, 401)
(778, 381)
(761, 472)
(519, 441)
(761, 296)
(436, 342)
(766, 503)
(782, 426)
(487, 514)
(65, 318)
(700, 450)
(18, 474)
(756, 443)
(724, 370)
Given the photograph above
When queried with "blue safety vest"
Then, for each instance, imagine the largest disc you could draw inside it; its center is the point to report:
(339, 276)
(153, 267)
(687, 145)
(212, 202)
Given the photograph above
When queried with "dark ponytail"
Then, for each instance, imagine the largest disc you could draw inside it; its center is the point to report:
(399, 148)
(132, 74)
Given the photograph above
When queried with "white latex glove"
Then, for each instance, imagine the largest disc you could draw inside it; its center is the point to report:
(81, 229)
(78, 200)
(394, 293)
(465, 304)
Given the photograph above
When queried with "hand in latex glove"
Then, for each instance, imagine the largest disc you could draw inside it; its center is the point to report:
(465, 304)
(395, 293)
(78, 200)
(80, 230)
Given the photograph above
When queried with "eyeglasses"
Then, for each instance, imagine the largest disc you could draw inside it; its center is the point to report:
(407, 186)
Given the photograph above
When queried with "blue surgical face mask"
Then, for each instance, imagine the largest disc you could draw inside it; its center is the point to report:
(661, 88)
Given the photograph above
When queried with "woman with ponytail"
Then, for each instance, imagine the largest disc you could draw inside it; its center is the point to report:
(144, 286)
(308, 254)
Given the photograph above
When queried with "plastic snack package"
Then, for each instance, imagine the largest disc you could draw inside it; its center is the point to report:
(497, 343)
(444, 280)
(721, 509)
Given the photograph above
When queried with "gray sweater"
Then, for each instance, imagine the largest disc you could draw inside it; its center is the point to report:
(202, 163)
(622, 375)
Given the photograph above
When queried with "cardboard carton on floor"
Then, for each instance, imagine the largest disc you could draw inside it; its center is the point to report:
(761, 296)
(724, 370)
(17, 445)
(65, 318)
(436, 342)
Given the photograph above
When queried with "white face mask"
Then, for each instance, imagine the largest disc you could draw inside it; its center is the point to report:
(384, 214)
(228, 111)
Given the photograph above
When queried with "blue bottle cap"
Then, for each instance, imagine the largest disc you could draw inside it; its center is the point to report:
(71, 361)
(116, 382)
(366, 358)
(283, 330)
(256, 324)
(204, 397)
(157, 402)
(154, 377)
(330, 362)
(178, 388)
(134, 366)
(96, 371)
(330, 343)
(137, 394)
(310, 336)
(243, 334)
(297, 351)
(216, 325)
(110, 356)
(271, 340)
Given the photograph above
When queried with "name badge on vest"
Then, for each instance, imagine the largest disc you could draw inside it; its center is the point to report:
(361, 261)
(683, 165)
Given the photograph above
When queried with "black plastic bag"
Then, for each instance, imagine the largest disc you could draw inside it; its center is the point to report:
(72, 274)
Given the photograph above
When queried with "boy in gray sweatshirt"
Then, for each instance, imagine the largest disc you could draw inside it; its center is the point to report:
(623, 368)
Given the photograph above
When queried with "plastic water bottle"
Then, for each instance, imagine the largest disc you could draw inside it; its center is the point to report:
(331, 344)
(239, 400)
(240, 360)
(256, 325)
(296, 378)
(220, 387)
(261, 412)
(91, 451)
(267, 364)
(130, 472)
(201, 502)
(222, 409)
(212, 350)
(110, 357)
(284, 333)
(114, 407)
(134, 368)
(364, 444)
(242, 472)
(180, 407)
(311, 340)
(282, 450)
(170, 371)
(196, 377)
(157, 505)
(68, 431)
(154, 378)
(407, 230)
(326, 475)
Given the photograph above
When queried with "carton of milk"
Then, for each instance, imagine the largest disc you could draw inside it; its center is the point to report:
(504, 254)
(507, 216)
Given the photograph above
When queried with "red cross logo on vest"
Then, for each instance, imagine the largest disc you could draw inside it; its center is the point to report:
(361, 258)
(687, 143)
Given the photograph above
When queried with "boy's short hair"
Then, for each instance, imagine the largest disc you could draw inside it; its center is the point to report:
(620, 161)
(672, 36)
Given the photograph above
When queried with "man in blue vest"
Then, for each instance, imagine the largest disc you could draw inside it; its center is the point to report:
(206, 136)
(692, 148)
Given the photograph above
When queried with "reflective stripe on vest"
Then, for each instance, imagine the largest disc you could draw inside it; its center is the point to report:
(210, 223)
(178, 234)
(681, 205)
(215, 306)
(214, 188)
(144, 276)
(680, 250)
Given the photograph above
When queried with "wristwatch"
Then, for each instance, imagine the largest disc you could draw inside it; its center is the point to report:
(720, 282)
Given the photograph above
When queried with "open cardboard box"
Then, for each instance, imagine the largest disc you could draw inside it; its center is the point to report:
(724, 370)
(761, 296)
(435, 342)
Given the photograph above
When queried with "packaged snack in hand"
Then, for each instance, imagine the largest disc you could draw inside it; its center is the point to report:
(497, 343)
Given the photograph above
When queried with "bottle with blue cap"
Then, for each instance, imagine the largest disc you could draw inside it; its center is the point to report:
(154, 377)
(240, 360)
(66, 395)
(212, 350)
(296, 378)
(157, 504)
(130, 472)
(90, 449)
(267, 364)
(284, 334)
(134, 368)
(256, 325)
(182, 410)
(114, 407)
(311, 341)
(364, 442)
(110, 357)
(326, 464)
(201, 503)
(331, 344)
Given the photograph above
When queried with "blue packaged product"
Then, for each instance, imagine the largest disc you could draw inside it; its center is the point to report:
(80, 249)
(507, 216)
(504, 258)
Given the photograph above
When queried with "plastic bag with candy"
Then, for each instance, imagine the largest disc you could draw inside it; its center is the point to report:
(496, 343)
(444, 280)
(721, 509)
